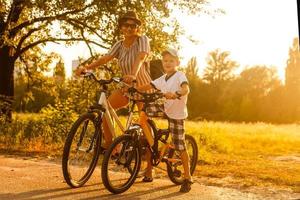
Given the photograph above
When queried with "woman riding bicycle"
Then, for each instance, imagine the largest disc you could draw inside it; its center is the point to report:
(131, 53)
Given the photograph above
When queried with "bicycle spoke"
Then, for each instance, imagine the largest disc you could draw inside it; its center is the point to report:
(82, 153)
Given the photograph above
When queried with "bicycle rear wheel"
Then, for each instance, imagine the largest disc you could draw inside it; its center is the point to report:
(175, 169)
(81, 150)
(121, 164)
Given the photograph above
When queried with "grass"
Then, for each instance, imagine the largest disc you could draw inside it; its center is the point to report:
(248, 152)
(231, 154)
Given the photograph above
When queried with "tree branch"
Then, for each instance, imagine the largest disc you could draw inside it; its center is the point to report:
(23, 60)
(30, 32)
(15, 29)
(92, 29)
(21, 51)
(87, 44)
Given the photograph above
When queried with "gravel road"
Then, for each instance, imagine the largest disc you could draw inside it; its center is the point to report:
(29, 178)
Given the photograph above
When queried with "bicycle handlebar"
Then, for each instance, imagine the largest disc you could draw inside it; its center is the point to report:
(147, 97)
(102, 81)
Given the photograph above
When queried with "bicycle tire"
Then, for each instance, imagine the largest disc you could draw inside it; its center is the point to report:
(193, 160)
(105, 163)
(66, 152)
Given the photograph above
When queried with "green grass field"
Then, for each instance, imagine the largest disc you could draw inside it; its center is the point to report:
(231, 154)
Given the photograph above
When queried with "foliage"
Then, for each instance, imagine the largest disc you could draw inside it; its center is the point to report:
(219, 67)
(59, 72)
(256, 94)
(25, 25)
(39, 131)
(60, 118)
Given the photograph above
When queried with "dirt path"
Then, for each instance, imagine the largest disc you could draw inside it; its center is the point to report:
(38, 179)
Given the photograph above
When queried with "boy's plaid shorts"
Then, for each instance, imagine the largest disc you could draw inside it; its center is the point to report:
(176, 127)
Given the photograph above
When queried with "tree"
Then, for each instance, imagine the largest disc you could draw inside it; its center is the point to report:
(191, 70)
(292, 82)
(259, 81)
(218, 74)
(292, 73)
(31, 85)
(25, 24)
(244, 99)
(59, 73)
(219, 67)
(195, 82)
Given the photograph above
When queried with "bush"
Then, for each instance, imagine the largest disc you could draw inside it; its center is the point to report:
(47, 128)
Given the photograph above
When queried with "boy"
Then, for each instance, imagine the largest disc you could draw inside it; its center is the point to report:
(175, 87)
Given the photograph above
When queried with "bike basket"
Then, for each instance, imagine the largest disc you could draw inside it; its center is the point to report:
(155, 110)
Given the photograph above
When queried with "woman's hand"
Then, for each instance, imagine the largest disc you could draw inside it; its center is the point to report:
(128, 78)
(170, 95)
(79, 70)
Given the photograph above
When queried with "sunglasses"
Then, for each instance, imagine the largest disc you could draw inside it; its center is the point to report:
(132, 26)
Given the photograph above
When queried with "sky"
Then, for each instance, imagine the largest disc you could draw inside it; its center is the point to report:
(255, 32)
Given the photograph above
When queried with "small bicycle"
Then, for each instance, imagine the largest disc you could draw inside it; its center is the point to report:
(122, 161)
(83, 143)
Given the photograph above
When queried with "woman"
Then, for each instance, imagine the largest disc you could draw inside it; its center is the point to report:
(131, 53)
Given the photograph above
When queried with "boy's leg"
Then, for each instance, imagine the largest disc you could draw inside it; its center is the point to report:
(176, 128)
(186, 164)
(117, 100)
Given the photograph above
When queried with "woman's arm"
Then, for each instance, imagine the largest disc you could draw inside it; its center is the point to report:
(144, 87)
(100, 61)
(140, 59)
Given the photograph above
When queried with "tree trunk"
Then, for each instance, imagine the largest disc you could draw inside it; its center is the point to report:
(6, 82)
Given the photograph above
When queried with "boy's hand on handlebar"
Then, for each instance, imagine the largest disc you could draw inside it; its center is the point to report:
(170, 95)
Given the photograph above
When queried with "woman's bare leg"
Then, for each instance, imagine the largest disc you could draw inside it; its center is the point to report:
(117, 100)
(149, 137)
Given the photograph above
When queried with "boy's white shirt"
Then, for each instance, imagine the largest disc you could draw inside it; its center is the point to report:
(174, 108)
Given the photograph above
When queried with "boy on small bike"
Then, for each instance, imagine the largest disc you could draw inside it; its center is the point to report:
(174, 85)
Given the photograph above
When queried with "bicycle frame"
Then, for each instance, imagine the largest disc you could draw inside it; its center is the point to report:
(110, 115)
(158, 156)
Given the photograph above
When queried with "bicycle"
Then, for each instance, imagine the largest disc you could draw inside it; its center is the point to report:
(83, 143)
(129, 149)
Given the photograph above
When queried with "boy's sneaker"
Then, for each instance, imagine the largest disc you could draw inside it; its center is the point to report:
(186, 186)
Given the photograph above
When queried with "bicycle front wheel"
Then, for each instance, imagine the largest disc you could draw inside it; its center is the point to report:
(81, 150)
(121, 164)
(175, 169)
